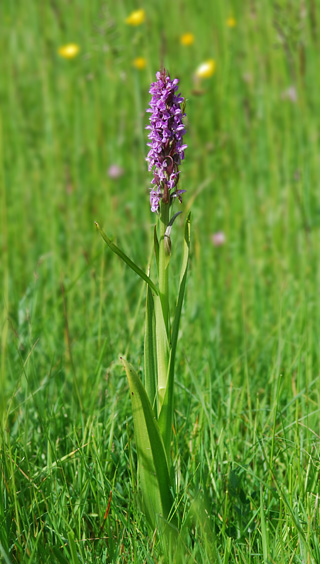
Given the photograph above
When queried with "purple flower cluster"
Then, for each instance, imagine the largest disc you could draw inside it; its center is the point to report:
(166, 133)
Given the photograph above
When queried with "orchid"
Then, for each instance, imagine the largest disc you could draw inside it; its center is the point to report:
(153, 398)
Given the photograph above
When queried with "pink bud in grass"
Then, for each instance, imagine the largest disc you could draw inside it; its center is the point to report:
(218, 239)
(115, 171)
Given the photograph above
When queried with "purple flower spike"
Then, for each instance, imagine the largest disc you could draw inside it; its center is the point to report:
(166, 133)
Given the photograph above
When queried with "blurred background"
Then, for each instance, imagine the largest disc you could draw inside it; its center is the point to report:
(75, 79)
(74, 89)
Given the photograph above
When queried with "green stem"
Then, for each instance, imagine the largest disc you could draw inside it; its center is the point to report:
(162, 309)
(163, 264)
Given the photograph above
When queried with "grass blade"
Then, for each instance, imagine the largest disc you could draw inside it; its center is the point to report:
(264, 534)
(73, 548)
(3, 555)
(58, 556)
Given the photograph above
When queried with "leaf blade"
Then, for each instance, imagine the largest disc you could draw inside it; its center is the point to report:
(153, 465)
(127, 260)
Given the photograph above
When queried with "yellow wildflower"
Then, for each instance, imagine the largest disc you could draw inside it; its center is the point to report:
(139, 63)
(187, 39)
(206, 69)
(69, 51)
(231, 22)
(136, 18)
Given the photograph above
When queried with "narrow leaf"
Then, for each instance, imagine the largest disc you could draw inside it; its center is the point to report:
(73, 548)
(156, 246)
(171, 222)
(4, 555)
(126, 259)
(264, 533)
(58, 556)
(167, 238)
(166, 414)
(154, 474)
(150, 364)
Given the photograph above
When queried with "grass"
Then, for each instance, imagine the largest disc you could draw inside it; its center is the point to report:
(247, 426)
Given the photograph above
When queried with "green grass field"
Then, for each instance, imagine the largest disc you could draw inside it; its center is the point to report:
(247, 428)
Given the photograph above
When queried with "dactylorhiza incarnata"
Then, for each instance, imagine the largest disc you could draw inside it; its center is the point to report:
(166, 136)
(153, 400)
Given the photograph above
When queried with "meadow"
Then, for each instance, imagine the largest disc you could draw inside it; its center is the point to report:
(72, 151)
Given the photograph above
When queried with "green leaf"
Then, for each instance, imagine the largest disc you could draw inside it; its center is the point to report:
(198, 517)
(58, 556)
(150, 354)
(127, 260)
(4, 555)
(167, 238)
(264, 533)
(73, 548)
(156, 246)
(166, 414)
(153, 469)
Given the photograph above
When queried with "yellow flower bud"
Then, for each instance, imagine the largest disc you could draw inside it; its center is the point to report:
(206, 69)
(187, 39)
(139, 63)
(136, 18)
(231, 22)
(69, 51)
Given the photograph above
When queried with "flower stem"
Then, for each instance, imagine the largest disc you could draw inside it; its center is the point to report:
(163, 264)
(162, 309)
